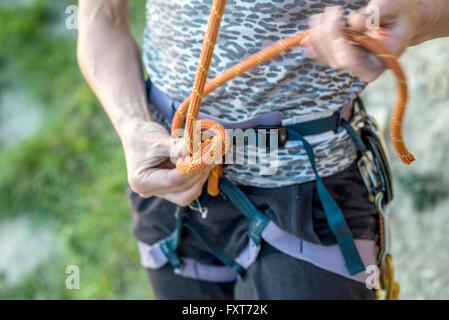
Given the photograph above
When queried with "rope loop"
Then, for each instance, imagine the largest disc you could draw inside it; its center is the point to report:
(210, 150)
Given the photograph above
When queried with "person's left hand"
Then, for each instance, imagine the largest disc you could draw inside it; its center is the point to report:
(399, 22)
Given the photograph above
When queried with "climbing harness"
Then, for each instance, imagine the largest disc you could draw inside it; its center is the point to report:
(261, 228)
(349, 257)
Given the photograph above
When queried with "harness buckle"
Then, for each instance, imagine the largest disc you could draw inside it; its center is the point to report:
(340, 120)
(281, 135)
(369, 174)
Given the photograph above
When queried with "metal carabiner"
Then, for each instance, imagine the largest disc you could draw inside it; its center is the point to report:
(385, 243)
(389, 286)
(367, 170)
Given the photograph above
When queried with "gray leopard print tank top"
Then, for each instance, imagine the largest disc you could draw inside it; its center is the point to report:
(298, 87)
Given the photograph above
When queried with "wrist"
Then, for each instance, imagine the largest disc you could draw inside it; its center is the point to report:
(135, 131)
(127, 129)
(429, 19)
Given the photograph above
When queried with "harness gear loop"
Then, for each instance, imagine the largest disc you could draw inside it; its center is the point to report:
(374, 169)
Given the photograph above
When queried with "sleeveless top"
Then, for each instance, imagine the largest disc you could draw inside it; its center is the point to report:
(298, 87)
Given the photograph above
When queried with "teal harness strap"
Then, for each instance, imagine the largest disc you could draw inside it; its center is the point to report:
(169, 245)
(317, 126)
(258, 220)
(334, 215)
(355, 137)
(218, 253)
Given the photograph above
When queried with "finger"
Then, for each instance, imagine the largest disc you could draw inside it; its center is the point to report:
(396, 38)
(376, 14)
(359, 20)
(382, 20)
(311, 51)
(186, 197)
(347, 56)
(175, 189)
(356, 61)
(178, 147)
(187, 190)
(326, 28)
(156, 180)
(388, 10)
(318, 47)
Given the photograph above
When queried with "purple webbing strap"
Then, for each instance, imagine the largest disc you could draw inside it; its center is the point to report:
(325, 257)
(167, 107)
(328, 258)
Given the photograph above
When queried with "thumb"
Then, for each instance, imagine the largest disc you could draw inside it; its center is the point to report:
(359, 20)
(178, 148)
(379, 13)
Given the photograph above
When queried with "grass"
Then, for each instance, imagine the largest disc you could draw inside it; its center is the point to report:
(70, 175)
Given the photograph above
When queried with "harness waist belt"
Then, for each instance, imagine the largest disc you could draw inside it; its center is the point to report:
(271, 120)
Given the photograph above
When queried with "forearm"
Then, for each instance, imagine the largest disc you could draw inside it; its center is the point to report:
(435, 20)
(110, 62)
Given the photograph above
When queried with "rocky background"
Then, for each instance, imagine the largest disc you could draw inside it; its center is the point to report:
(420, 211)
(62, 173)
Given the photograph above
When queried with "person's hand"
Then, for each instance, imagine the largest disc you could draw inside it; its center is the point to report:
(150, 153)
(399, 23)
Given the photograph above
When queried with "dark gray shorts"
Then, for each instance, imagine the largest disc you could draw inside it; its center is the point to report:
(274, 276)
(296, 209)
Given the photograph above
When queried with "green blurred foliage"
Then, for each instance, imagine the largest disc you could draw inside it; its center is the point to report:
(427, 190)
(70, 175)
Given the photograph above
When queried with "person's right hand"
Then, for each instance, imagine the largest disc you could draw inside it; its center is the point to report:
(400, 22)
(148, 148)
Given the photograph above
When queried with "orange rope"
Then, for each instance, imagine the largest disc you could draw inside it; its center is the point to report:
(205, 153)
